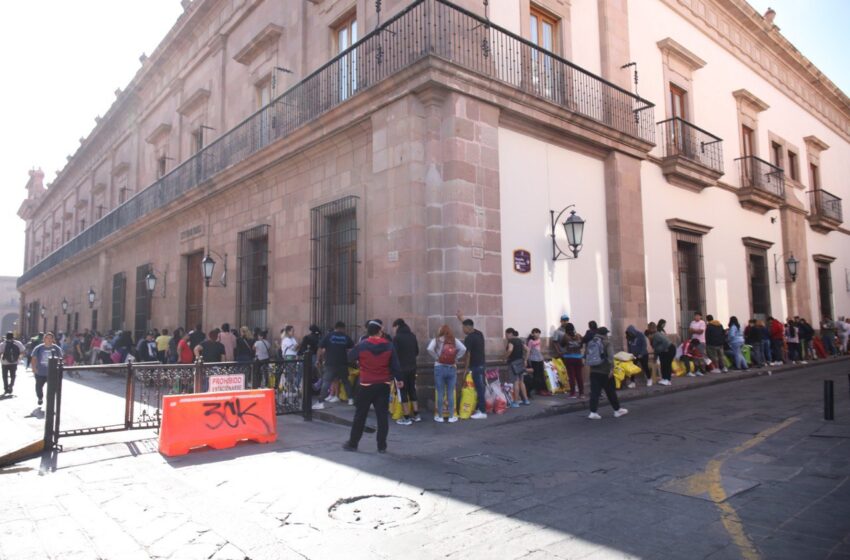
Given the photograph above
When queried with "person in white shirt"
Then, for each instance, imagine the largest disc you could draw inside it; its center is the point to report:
(697, 330)
(262, 353)
(288, 343)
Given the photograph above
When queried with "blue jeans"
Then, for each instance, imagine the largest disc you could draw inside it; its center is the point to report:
(765, 348)
(480, 384)
(445, 379)
(740, 362)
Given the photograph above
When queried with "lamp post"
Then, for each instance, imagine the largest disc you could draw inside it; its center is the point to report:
(208, 266)
(64, 306)
(574, 230)
(91, 296)
(792, 263)
(792, 267)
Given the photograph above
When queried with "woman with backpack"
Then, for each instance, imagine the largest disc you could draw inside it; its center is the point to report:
(599, 355)
(572, 358)
(664, 349)
(515, 354)
(446, 351)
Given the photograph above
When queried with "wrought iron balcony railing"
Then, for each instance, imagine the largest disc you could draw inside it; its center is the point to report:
(426, 28)
(759, 174)
(826, 205)
(681, 138)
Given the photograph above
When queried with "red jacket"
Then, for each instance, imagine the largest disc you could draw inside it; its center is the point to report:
(777, 331)
(378, 360)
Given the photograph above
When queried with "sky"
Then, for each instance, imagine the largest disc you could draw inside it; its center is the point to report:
(64, 59)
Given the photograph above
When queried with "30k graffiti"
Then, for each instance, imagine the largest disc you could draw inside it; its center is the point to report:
(231, 414)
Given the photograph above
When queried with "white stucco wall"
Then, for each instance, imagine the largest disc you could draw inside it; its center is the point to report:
(536, 177)
(714, 109)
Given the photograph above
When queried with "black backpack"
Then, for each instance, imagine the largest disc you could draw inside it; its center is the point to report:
(11, 353)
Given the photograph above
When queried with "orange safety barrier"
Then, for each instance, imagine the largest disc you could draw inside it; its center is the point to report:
(216, 420)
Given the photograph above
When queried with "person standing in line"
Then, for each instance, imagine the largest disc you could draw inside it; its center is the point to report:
(333, 360)
(697, 330)
(827, 334)
(378, 366)
(196, 336)
(11, 351)
(765, 342)
(475, 362)
(244, 351)
(407, 350)
(571, 343)
(752, 336)
(599, 356)
(446, 351)
(715, 337)
(792, 341)
(146, 349)
(638, 347)
(185, 354)
(172, 355)
(806, 333)
(228, 340)
(736, 343)
(664, 350)
(843, 327)
(515, 356)
(40, 361)
(262, 356)
(124, 344)
(288, 343)
(535, 358)
(777, 336)
(211, 350)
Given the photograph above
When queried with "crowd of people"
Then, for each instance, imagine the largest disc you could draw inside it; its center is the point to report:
(392, 356)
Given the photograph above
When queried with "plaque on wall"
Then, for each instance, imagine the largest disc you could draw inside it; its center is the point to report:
(522, 261)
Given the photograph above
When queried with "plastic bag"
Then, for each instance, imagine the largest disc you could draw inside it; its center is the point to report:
(495, 399)
(747, 350)
(508, 391)
(620, 372)
(563, 376)
(550, 376)
(679, 368)
(491, 375)
(468, 398)
(624, 356)
(396, 409)
(442, 409)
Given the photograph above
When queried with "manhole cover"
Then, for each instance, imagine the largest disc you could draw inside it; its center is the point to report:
(484, 460)
(373, 510)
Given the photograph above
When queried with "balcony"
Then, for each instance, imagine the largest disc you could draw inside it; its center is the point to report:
(762, 184)
(825, 212)
(692, 157)
(426, 29)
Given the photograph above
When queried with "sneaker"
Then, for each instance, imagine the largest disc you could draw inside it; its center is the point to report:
(452, 419)
(715, 370)
(631, 385)
(691, 374)
(382, 451)
(404, 422)
(649, 382)
(725, 370)
(417, 418)
(350, 402)
(478, 415)
(514, 405)
(526, 402)
(665, 382)
(804, 362)
(40, 402)
(620, 412)
(573, 396)
(318, 406)
(594, 416)
(347, 446)
(332, 399)
(700, 374)
(438, 419)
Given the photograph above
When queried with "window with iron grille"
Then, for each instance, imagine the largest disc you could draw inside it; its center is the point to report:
(119, 293)
(334, 264)
(76, 321)
(143, 302)
(759, 284)
(34, 309)
(824, 290)
(691, 278)
(252, 291)
(94, 319)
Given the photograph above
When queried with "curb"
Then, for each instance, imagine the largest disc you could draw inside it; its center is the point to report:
(332, 419)
(718, 379)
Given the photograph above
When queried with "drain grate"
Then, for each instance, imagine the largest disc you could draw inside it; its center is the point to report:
(373, 510)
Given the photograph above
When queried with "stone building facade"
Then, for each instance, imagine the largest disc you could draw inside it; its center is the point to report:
(342, 163)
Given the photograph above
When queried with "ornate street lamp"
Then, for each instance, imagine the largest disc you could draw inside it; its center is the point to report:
(208, 266)
(64, 306)
(91, 296)
(792, 263)
(574, 230)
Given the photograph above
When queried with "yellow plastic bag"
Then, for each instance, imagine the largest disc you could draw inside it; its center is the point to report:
(632, 368)
(619, 372)
(679, 368)
(352, 378)
(563, 377)
(396, 410)
(468, 398)
(341, 392)
(443, 408)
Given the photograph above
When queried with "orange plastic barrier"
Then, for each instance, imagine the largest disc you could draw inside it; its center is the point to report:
(216, 420)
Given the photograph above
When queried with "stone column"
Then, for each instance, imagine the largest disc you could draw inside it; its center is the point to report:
(623, 199)
(794, 230)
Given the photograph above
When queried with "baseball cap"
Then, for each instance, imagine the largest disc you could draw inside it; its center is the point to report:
(565, 317)
(602, 330)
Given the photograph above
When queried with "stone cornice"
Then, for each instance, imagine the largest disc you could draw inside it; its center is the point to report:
(757, 243)
(736, 26)
(672, 47)
(748, 98)
(269, 35)
(821, 258)
(161, 130)
(196, 99)
(676, 224)
(815, 144)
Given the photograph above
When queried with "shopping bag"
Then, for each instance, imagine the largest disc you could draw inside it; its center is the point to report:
(563, 377)
(747, 351)
(341, 393)
(396, 410)
(495, 399)
(679, 368)
(442, 409)
(726, 361)
(468, 398)
(619, 372)
(508, 391)
(491, 375)
(550, 376)
(632, 368)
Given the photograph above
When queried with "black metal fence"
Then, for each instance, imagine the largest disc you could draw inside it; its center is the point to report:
(681, 138)
(426, 28)
(826, 204)
(762, 175)
(147, 383)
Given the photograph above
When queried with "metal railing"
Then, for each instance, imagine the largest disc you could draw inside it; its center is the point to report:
(825, 204)
(426, 28)
(681, 138)
(759, 174)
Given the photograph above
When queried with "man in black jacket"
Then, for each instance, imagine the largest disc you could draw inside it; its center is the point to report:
(407, 349)
(715, 337)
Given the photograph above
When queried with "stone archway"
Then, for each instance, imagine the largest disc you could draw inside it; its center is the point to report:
(10, 323)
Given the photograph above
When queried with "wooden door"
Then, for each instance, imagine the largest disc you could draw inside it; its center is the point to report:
(194, 290)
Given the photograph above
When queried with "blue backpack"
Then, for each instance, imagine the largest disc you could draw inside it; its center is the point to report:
(595, 353)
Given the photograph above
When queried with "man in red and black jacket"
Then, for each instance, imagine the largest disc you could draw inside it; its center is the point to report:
(777, 339)
(378, 366)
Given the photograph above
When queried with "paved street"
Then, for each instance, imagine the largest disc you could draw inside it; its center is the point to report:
(746, 469)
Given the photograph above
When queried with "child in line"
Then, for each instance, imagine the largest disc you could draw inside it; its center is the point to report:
(691, 352)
